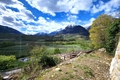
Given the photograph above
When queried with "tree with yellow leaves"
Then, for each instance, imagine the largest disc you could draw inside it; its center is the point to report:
(98, 34)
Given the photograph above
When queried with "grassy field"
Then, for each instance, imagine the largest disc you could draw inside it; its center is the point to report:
(24, 49)
(17, 50)
(63, 48)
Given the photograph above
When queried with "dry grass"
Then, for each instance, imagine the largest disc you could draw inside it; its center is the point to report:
(85, 67)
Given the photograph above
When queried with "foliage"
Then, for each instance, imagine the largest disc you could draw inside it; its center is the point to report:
(6, 62)
(57, 51)
(84, 44)
(37, 52)
(39, 55)
(15, 50)
(112, 31)
(6, 44)
(48, 61)
(98, 30)
(1, 77)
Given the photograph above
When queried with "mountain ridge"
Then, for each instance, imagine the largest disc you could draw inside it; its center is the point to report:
(70, 29)
(75, 29)
(8, 30)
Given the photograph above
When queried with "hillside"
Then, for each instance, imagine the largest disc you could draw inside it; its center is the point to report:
(93, 66)
(84, 67)
(8, 30)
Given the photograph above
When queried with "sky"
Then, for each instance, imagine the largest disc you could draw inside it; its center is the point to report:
(34, 16)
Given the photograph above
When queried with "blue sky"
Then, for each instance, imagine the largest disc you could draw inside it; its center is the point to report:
(33, 16)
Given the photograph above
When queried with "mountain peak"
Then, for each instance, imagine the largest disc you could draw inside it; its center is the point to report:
(75, 29)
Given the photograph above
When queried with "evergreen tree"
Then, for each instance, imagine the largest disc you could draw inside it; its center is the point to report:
(112, 32)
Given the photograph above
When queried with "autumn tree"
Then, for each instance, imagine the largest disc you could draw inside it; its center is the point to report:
(98, 30)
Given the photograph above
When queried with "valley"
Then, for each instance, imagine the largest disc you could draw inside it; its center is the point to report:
(72, 53)
(21, 46)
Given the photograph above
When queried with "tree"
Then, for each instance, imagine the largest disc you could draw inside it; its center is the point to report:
(7, 62)
(112, 32)
(98, 30)
(37, 52)
(56, 51)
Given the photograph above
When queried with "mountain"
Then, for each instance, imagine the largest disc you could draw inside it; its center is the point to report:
(55, 32)
(49, 34)
(8, 30)
(88, 28)
(71, 29)
(74, 29)
(41, 33)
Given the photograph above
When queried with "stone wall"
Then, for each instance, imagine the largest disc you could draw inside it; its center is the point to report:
(115, 64)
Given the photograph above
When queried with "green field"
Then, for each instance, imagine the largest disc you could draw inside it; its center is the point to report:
(17, 50)
(63, 48)
(24, 49)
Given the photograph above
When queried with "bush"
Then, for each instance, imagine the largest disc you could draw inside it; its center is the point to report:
(57, 51)
(6, 62)
(112, 32)
(48, 61)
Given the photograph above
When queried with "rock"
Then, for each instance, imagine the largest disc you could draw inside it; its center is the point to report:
(115, 65)
(52, 75)
(102, 50)
(119, 56)
(61, 64)
(57, 69)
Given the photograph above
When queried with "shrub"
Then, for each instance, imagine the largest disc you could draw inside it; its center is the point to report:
(6, 62)
(112, 32)
(48, 61)
(57, 51)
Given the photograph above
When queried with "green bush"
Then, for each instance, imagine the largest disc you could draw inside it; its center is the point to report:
(57, 51)
(6, 62)
(112, 32)
(48, 61)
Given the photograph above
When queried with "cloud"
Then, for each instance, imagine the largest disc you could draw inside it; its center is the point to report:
(14, 19)
(44, 25)
(28, 14)
(72, 17)
(88, 23)
(22, 13)
(109, 7)
(24, 19)
(78, 5)
(8, 2)
(8, 19)
(53, 6)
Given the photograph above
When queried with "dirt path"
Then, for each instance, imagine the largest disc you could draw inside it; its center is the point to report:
(6, 74)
